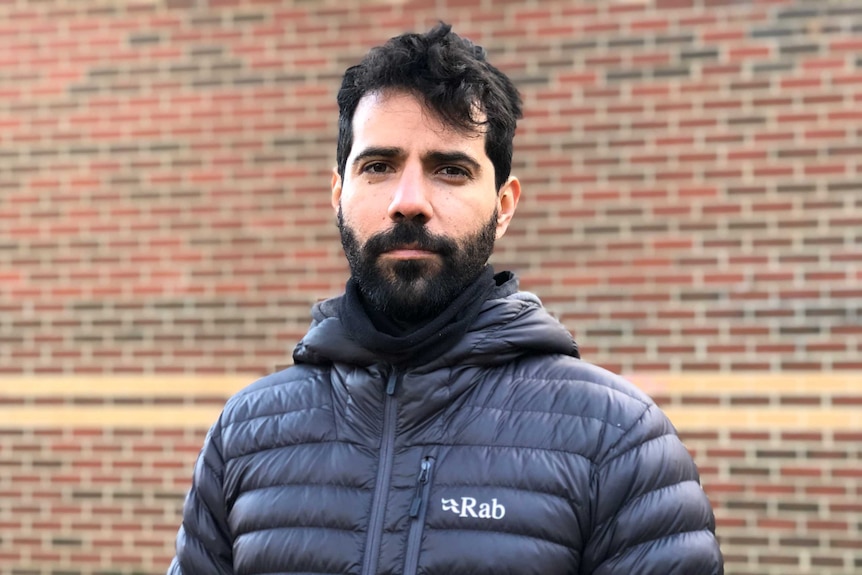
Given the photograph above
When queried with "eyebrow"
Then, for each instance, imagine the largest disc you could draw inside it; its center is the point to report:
(435, 157)
(377, 152)
(453, 158)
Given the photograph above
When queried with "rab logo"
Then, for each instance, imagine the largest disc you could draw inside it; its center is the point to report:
(466, 507)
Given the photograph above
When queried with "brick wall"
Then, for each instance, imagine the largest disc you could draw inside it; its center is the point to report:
(691, 208)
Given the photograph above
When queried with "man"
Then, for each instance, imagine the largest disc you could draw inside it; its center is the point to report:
(437, 420)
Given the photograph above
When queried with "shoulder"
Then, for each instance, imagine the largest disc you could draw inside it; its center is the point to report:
(288, 407)
(604, 410)
(582, 386)
(291, 389)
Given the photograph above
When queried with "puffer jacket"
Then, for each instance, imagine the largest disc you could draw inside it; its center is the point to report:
(505, 455)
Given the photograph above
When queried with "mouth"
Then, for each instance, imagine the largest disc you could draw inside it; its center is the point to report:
(408, 252)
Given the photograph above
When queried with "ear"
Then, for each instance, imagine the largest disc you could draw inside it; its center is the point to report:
(336, 190)
(507, 202)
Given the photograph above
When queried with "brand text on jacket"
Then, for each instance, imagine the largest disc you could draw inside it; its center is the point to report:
(469, 507)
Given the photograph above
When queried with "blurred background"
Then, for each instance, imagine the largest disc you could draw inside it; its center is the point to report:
(692, 211)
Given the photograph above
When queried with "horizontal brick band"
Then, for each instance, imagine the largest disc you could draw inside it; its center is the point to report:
(652, 383)
(156, 417)
(692, 401)
(144, 417)
(790, 417)
(123, 386)
(749, 382)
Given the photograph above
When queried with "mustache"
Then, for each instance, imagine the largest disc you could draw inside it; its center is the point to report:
(409, 233)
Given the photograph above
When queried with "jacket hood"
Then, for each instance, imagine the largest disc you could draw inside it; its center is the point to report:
(511, 323)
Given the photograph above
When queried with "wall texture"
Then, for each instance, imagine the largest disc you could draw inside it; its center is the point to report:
(691, 173)
(692, 211)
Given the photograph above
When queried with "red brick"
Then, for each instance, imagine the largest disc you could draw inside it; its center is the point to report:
(776, 524)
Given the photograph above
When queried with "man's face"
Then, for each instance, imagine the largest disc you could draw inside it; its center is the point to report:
(417, 207)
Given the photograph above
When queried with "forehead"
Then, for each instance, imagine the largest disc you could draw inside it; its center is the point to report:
(390, 116)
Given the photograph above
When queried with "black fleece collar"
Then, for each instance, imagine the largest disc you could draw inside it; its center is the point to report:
(423, 343)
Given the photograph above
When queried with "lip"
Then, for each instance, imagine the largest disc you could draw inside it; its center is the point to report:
(410, 252)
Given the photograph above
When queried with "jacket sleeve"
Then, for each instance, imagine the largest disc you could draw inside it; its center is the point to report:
(651, 516)
(204, 542)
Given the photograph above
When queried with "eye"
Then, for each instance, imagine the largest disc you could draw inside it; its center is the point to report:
(375, 168)
(454, 172)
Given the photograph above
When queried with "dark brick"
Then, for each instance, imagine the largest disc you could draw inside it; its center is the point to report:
(796, 507)
(674, 39)
(144, 38)
(767, 68)
(66, 542)
(699, 54)
(747, 505)
(671, 72)
(843, 10)
(612, 76)
(797, 13)
(775, 32)
(625, 42)
(249, 17)
(812, 48)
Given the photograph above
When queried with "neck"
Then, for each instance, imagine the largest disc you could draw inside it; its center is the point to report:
(414, 342)
(391, 324)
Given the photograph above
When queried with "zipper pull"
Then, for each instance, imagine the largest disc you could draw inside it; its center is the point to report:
(390, 385)
(420, 482)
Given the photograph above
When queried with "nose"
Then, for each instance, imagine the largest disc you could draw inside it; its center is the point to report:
(411, 197)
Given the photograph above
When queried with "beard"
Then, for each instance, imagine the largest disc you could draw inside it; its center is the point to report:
(411, 291)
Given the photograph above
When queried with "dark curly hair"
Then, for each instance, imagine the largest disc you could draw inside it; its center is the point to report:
(451, 76)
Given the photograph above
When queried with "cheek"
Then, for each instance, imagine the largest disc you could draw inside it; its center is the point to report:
(362, 219)
(467, 219)
(359, 200)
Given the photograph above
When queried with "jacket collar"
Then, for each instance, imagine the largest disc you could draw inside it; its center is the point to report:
(509, 323)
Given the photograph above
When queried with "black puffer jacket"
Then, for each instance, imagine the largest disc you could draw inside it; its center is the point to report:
(505, 455)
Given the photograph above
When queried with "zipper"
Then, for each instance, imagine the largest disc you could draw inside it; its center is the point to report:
(418, 510)
(384, 475)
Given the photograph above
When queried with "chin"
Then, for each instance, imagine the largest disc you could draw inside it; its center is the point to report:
(407, 272)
